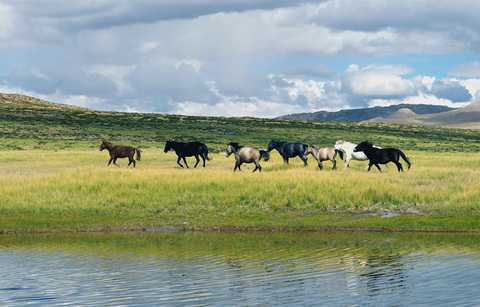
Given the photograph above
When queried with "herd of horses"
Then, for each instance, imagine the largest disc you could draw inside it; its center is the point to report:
(243, 154)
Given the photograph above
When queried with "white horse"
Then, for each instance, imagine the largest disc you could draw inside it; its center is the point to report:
(348, 154)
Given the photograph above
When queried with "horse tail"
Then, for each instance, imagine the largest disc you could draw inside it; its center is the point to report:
(138, 152)
(340, 153)
(404, 157)
(265, 155)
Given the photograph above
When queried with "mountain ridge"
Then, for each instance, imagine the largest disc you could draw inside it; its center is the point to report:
(365, 114)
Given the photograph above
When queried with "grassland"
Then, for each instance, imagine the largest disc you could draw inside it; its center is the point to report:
(52, 177)
(74, 191)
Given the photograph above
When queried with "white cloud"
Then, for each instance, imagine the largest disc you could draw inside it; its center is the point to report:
(206, 56)
(378, 81)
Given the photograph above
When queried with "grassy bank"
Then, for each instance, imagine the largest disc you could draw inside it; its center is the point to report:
(74, 191)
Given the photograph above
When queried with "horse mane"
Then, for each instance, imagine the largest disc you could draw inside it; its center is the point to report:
(366, 143)
(235, 145)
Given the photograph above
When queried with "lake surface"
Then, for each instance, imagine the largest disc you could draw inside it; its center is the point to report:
(240, 269)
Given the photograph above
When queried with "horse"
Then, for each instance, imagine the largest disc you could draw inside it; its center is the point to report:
(246, 155)
(323, 154)
(120, 151)
(346, 152)
(289, 150)
(378, 156)
(188, 149)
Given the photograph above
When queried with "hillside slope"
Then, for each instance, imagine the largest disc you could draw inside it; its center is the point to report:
(27, 123)
(357, 115)
(403, 116)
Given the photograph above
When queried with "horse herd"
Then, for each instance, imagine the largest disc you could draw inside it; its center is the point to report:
(244, 154)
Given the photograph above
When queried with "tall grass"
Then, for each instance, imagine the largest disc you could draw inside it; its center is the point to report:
(74, 190)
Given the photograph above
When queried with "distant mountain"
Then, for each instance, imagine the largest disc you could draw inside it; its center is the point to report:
(467, 117)
(402, 116)
(365, 114)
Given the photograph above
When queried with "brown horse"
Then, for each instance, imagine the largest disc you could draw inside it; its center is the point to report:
(120, 151)
(246, 155)
(323, 154)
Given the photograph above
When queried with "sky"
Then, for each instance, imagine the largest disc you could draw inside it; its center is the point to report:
(261, 58)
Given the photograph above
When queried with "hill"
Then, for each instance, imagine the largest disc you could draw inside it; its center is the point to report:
(364, 114)
(30, 123)
(467, 117)
(402, 116)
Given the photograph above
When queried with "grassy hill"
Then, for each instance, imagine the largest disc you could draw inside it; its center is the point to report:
(29, 123)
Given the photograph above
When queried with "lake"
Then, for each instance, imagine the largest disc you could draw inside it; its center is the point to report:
(216, 269)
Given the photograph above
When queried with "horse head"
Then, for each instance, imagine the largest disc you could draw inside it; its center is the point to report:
(273, 144)
(168, 146)
(231, 148)
(363, 146)
(104, 145)
(340, 144)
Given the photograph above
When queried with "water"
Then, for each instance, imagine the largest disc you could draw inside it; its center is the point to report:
(240, 269)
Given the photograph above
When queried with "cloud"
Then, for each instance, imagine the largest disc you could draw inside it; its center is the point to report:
(469, 70)
(451, 90)
(82, 15)
(206, 56)
(378, 81)
(311, 71)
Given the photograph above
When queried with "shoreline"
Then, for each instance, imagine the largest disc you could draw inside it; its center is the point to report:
(179, 229)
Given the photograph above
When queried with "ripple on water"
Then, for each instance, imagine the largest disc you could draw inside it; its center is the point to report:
(327, 276)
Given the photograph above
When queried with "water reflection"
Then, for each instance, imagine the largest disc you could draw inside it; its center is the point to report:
(246, 270)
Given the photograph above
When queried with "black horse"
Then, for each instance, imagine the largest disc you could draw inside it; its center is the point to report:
(289, 150)
(378, 156)
(189, 149)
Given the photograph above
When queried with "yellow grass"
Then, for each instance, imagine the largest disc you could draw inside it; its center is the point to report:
(74, 190)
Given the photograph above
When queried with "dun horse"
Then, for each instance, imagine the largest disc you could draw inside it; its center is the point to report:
(323, 154)
(246, 155)
(121, 151)
(289, 150)
(189, 149)
(378, 156)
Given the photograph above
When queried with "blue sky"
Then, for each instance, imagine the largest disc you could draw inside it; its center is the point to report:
(241, 57)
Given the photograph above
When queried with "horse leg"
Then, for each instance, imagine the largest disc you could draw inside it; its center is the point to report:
(257, 166)
(346, 163)
(134, 163)
(399, 166)
(115, 162)
(178, 162)
(185, 161)
(198, 161)
(369, 166)
(203, 158)
(378, 167)
(109, 161)
(320, 165)
(334, 164)
(304, 159)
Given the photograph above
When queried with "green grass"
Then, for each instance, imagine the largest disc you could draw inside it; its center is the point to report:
(75, 191)
(52, 177)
